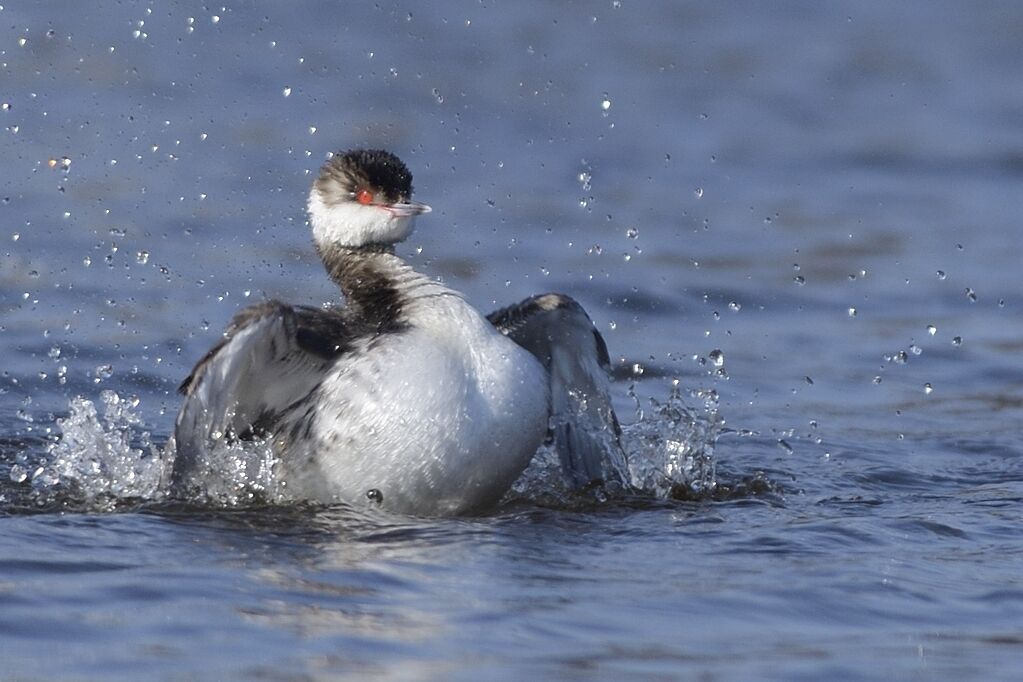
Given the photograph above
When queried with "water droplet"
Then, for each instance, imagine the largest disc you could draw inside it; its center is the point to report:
(716, 357)
(612, 325)
(900, 358)
(86, 261)
(809, 382)
(103, 372)
(312, 130)
(928, 388)
(18, 474)
(877, 379)
(851, 312)
(970, 294)
(785, 446)
(632, 233)
(286, 91)
(437, 96)
(142, 257)
(915, 349)
(957, 340)
(942, 275)
(698, 192)
(637, 369)
(605, 103)
(734, 306)
(22, 41)
(799, 280)
(215, 19)
(932, 330)
(6, 106)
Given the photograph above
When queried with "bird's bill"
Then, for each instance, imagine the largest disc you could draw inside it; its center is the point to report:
(405, 209)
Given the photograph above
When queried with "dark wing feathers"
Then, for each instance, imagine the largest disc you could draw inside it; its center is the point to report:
(559, 333)
(271, 358)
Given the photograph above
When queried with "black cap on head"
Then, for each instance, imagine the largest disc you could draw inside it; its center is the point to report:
(375, 169)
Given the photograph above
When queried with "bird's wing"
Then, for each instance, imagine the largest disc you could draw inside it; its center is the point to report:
(556, 329)
(272, 356)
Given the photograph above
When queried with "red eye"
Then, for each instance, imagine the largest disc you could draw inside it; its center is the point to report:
(364, 197)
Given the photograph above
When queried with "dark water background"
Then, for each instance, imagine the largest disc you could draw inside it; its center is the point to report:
(827, 194)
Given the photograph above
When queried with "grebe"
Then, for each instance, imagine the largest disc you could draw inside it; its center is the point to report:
(405, 397)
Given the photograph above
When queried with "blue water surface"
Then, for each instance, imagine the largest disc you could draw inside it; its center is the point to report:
(807, 213)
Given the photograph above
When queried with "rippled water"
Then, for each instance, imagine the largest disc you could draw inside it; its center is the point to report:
(808, 210)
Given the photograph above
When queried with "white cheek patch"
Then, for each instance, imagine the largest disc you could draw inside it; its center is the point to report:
(352, 224)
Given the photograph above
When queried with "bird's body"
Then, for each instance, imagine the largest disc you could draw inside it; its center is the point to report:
(449, 388)
(406, 396)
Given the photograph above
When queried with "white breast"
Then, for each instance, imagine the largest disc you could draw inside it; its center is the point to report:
(440, 419)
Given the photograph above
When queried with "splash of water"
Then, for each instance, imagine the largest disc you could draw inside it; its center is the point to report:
(99, 460)
(668, 449)
(236, 474)
(106, 458)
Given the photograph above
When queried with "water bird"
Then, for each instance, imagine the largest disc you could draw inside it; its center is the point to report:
(404, 396)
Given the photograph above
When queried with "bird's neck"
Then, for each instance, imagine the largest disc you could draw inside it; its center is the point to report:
(373, 280)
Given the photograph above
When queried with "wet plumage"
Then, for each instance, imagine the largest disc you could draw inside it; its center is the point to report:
(405, 396)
